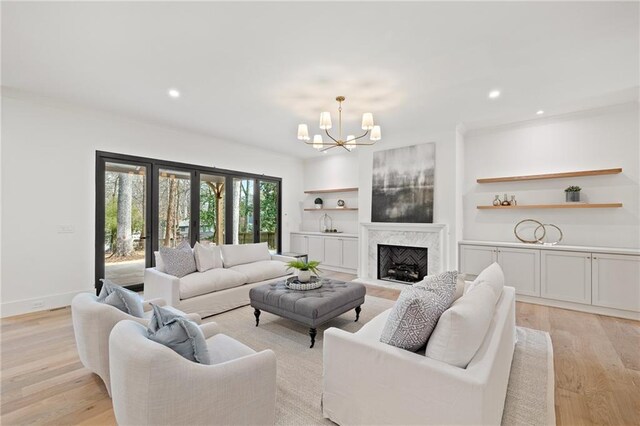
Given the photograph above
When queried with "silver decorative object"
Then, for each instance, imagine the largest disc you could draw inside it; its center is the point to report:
(538, 239)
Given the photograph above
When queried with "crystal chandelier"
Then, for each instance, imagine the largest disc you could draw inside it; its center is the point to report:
(351, 142)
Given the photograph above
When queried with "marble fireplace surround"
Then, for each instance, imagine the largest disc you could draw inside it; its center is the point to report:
(429, 235)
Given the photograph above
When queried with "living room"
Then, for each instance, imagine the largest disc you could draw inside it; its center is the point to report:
(446, 192)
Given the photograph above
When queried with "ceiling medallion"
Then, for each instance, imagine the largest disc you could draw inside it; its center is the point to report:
(351, 142)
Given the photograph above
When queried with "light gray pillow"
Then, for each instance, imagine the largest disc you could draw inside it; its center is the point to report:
(119, 297)
(415, 315)
(445, 283)
(178, 261)
(179, 334)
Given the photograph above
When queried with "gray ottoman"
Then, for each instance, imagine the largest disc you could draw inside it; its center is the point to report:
(311, 307)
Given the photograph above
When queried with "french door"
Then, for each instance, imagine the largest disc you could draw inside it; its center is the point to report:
(143, 204)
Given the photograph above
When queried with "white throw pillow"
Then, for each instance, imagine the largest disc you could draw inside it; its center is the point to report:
(239, 254)
(462, 328)
(207, 257)
(491, 276)
(159, 263)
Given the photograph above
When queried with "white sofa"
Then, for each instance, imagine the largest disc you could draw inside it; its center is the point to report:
(153, 385)
(240, 268)
(369, 382)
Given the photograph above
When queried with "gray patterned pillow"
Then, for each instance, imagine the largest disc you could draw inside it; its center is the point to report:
(119, 297)
(179, 334)
(443, 283)
(416, 313)
(178, 261)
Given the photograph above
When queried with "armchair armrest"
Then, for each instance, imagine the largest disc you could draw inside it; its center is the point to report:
(160, 285)
(146, 304)
(282, 258)
(209, 329)
(359, 372)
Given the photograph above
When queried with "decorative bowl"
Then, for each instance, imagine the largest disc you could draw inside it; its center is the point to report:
(293, 283)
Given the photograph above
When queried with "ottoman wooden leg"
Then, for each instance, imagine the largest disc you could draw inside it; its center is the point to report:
(312, 334)
(257, 315)
(358, 309)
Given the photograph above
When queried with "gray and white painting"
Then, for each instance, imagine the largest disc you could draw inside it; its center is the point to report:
(403, 184)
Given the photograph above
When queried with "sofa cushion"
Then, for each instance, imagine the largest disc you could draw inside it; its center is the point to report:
(207, 256)
(462, 328)
(178, 261)
(491, 276)
(238, 254)
(414, 316)
(159, 263)
(223, 348)
(209, 281)
(262, 270)
(121, 298)
(373, 329)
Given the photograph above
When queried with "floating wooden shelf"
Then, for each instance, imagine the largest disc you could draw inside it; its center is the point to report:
(332, 209)
(552, 175)
(554, 206)
(324, 191)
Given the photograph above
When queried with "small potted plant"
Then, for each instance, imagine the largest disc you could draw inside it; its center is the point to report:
(304, 269)
(573, 194)
(318, 203)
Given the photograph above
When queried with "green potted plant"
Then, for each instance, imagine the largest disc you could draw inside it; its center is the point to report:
(573, 194)
(304, 269)
(318, 203)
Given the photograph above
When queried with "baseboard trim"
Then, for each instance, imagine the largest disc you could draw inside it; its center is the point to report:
(580, 307)
(45, 303)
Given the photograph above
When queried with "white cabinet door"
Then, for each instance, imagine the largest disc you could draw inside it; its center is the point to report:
(616, 281)
(473, 259)
(333, 251)
(521, 269)
(299, 244)
(350, 253)
(315, 248)
(566, 275)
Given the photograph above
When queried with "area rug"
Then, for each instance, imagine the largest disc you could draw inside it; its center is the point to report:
(300, 368)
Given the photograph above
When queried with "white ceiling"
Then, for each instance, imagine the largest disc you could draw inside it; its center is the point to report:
(250, 72)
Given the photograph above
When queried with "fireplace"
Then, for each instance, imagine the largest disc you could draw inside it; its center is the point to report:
(402, 264)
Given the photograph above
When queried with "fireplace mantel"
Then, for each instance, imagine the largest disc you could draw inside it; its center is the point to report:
(429, 235)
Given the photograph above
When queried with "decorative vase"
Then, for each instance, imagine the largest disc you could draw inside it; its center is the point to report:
(496, 201)
(304, 276)
(505, 202)
(513, 200)
(573, 196)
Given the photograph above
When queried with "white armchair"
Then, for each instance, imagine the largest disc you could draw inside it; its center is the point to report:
(153, 385)
(369, 382)
(92, 324)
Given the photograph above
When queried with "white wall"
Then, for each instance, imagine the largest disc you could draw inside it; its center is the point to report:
(48, 180)
(598, 139)
(355, 169)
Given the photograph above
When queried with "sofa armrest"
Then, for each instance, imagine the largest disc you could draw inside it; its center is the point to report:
(209, 329)
(146, 304)
(359, 372)
(282, 258)
(160, 285)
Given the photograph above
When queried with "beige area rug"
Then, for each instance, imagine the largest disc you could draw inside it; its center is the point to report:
(300, 368)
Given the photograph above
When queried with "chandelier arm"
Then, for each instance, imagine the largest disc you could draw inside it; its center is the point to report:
(331, 137)
(364, 143)
(327, 149)
(361, 136)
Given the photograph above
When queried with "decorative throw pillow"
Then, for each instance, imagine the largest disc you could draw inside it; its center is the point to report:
(178, 261)
(445, 282)
(159, 263)
(207, 257)
(491, 276)
(179, 334)
(414, 316)
(462, 328)
(119, 297)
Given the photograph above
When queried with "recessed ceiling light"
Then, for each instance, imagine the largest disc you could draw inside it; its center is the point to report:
(173, 93)
(540, 112)
(494, 94)
(324, 152)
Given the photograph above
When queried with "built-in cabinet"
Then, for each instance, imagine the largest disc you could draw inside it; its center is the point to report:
(335, 252)
(577, 275)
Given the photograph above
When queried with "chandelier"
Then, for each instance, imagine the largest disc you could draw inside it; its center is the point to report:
(351, 142)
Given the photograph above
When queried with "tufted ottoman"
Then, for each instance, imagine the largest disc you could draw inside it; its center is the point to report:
(311, 307)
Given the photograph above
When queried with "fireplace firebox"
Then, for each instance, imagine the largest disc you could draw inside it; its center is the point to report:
(402, 264)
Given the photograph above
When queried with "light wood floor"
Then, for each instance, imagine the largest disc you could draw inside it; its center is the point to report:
(597, 368)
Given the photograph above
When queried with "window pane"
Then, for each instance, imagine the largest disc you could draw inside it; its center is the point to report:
(269, 214)
(174, 207)
(124, 223)
(243, 211)
(211, 209)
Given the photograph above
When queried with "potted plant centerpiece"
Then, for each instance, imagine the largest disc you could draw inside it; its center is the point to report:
(304, 269)
(318, 203)
(573, 194)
